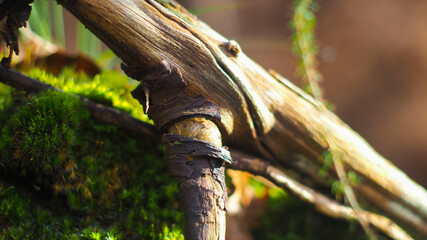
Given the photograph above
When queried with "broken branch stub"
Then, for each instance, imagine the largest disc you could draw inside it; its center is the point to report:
(196, 159)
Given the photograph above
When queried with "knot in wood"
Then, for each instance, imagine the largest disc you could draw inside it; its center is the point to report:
(232, 47)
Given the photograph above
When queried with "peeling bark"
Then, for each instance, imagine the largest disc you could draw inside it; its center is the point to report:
(196, 158)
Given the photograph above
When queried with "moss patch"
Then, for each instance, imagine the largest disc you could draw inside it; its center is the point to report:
(64, 175)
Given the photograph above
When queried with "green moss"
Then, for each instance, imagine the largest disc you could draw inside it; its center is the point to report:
(39, 135)
(64, 175)
(110, 88)
(5, 96)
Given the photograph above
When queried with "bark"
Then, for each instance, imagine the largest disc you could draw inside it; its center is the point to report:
(261, 112)
(194, 157)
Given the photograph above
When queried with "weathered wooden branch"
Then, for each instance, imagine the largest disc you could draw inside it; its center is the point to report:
(241, 161)
(261, 112)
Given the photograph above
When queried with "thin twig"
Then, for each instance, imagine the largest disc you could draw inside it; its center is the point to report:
(319, 201)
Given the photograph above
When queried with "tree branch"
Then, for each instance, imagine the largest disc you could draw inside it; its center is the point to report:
(319, 201)
(260, 111)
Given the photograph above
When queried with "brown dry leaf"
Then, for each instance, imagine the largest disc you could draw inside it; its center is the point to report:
(56, 62)
(244, 207)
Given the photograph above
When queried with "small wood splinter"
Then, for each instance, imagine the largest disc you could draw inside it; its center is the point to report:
(147, 99)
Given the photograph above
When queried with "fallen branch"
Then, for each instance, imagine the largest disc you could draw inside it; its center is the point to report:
(241, 161)
(259, 111)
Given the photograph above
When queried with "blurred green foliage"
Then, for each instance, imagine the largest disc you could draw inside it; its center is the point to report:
(47, 21)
